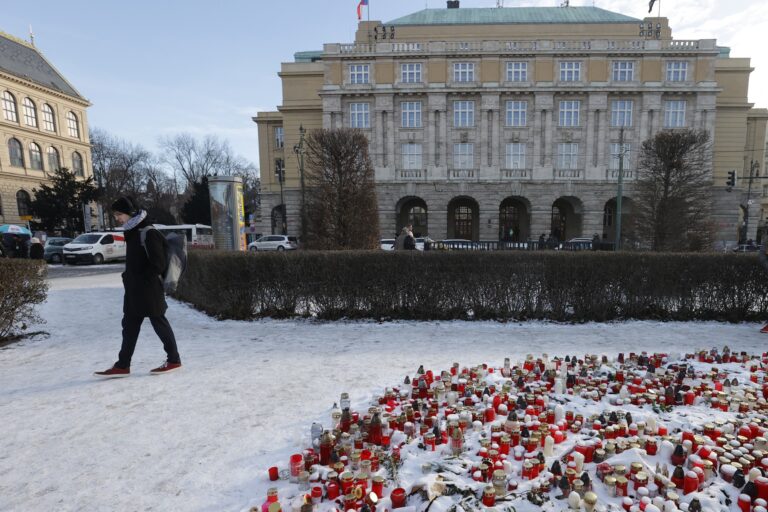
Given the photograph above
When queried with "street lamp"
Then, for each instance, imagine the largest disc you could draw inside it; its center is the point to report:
(299, 150)
(280, 171)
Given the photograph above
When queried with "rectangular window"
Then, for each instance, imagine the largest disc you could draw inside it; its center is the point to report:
(674, 114)
(570, 71)
(677, 71)
(411, 156)
(463, 156)
(616, 151)
(463, 114)
(280, 170)
(517, 113)
(48, 120)
(463, 72)
(623, 71)
(279, 142)
(569, 112)
(567, 156)
(515, 155)
(410, 73)
(359, 73)
(359, 115)
(411, 114)
(621, 112)
(517, 71)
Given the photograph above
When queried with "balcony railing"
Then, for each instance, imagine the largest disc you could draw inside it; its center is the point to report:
(568, 173)
(514, 173)
(411, 174)
(461, 174)
(627, 174)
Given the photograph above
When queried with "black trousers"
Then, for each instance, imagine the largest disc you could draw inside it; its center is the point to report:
(131, 329)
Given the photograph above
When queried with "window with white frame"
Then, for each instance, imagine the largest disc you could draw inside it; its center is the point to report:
(410, 72)
(567, 155)
(279, 137)
(517, 71)
(618, 150)
(30, 112)
(411, 114)
(73, 125)
(674, 114)
(621, 112)
(517, 113)
(9, 107)
(570, 71)
(35, 157)
(53, 159)
(463, 155)
(463, 113)
(463, 72)
(623, 71)
(359, 115)
(359, 73)
(411, 156)
(515, 155)
(49, 120)
(77, 164)
(16, 152)
(677, 71)
(569, 112)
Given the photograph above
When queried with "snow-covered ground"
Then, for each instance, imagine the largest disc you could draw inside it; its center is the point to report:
(201, 439)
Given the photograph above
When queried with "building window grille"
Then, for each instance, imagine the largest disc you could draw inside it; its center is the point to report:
(674, 114)
(677, 71)
(517, 113)
(72, 125)
(517, 71)
(411, 114)
(77, 164)
(53, 159)
(359, 73)
(35, 157)
(410, 73)
(30, 112)
(515, 155)
(463, 72)
(411, 156)
(569, 112)
(9, 107)
(16, 153)
(23, 203)
(623, 71)
(567, 155)
(359, 115)
(463, 113)
(570, 71)
(279, 137)
(49, 120)
(463, 156)
(616, 151)
(621, 112)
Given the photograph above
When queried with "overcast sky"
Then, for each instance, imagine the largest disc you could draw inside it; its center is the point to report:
(153, 68)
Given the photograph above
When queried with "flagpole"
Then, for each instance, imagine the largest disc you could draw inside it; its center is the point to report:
(659, 12)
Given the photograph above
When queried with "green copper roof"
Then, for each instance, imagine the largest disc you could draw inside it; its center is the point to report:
(725, 52)
(310, 56)
(512, 15)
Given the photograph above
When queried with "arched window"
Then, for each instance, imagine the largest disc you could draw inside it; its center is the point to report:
(77, 164)
(72, 125)
(24, 203)
(35, 157)
(30, 112)
(49, 119)
(53, 159)
(16, 153)
(9, 107)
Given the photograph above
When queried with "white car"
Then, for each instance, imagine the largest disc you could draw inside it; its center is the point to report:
(274, 243)
(387, 244)
(421, 241)
(95, 248)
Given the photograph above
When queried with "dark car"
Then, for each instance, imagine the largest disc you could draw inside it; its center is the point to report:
(54, 247)
(746, 248)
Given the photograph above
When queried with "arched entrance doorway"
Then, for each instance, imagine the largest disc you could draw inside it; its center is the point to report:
(279, 223)
(463, 218)
(566, 218)
(514, 220)
(627, 221)
(413, 210)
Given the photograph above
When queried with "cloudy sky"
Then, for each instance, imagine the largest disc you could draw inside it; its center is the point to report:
(158, 68)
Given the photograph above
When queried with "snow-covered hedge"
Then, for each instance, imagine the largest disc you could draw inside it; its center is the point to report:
(22, 286)
(438, 285)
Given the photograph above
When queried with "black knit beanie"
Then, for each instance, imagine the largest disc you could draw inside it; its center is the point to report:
(125, 205)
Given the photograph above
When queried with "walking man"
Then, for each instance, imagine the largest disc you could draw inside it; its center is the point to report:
(144, 294)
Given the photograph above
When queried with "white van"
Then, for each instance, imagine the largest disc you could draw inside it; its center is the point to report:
(95, 248)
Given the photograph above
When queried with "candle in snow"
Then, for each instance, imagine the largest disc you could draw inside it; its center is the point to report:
(574, 500)
(549, 443)
(650, 425)
(559, 412)
(578, 458)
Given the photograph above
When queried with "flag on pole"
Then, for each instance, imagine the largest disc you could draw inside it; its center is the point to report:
(650, 7)
(359, 6)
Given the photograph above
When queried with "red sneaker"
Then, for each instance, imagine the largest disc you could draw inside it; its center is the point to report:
(764, 329)
(113, 373)
(165, 368)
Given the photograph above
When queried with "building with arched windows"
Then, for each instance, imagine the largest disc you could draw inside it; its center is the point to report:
(43, 126)
(506, 123)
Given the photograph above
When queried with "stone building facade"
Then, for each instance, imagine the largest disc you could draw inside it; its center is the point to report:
(43, 125)
(505, 123)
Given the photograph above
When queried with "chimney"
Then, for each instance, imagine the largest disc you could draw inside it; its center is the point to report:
(453, 4)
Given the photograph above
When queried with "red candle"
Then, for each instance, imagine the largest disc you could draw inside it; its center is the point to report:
(332, 490)
(762, 487)
(296, 465)
(273, 473)
(489, 497)
(398, 497)
(745, 503)
(691, 483)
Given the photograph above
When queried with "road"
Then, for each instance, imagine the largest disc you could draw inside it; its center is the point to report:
(64, 271)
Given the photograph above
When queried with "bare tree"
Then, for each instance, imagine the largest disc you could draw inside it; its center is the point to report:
(672, 191)
(341, 209)
(193, 158)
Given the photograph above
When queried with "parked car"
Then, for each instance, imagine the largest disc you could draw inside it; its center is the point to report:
(420, 241)
(95, 248)
(274, 243)
(387, 244)
(54, 249)
(577, 244)
(746, 248)
(456, 243)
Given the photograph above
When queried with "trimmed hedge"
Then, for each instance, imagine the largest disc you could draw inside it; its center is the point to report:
(577, 287)
(22, 286)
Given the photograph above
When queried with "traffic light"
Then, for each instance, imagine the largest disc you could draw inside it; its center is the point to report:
(731, 179)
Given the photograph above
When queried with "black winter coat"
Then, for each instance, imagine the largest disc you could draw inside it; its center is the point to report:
(144, 293)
